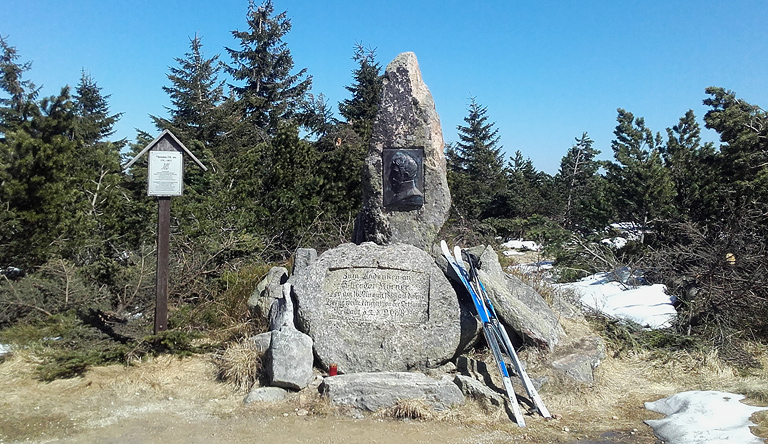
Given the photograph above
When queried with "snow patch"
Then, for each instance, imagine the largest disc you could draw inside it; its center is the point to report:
(519, 244)
(616, 242)
(699, 417)
(648, 305)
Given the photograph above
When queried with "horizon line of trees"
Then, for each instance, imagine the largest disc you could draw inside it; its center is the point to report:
(651, 178)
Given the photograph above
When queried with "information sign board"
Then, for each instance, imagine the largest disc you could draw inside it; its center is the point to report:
(165, 173)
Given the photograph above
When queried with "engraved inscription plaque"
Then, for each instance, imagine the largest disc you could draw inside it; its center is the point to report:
(403, 177)
(379, 295)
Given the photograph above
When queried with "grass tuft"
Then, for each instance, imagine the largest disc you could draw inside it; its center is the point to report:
(411, 409)
(240, 364)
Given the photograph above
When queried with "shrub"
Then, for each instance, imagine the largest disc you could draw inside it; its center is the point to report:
(54, 288)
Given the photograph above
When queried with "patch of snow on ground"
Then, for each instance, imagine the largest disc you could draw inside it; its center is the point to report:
(519, 244)
(616, 242)
(698, 417)
(648, 305)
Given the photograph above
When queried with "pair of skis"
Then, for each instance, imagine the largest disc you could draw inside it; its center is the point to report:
(495, 334)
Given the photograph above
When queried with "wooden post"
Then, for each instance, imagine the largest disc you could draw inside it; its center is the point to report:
(165, 178)
(163, 248)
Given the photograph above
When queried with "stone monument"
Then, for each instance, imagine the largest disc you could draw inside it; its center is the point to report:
(405, 191)
(373, 308)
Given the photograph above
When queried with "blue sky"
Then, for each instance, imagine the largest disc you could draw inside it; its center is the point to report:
(546, 70)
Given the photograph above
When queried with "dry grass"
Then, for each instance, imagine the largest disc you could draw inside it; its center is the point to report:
(167, 391)
(411, 409)
(240, 365)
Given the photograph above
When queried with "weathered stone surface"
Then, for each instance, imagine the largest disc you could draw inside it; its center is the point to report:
(474, 389)
(303, 258)
(267, 291)
(376, 391)
(281, 313)
(266, 394)
(377, 308)
(262, 341)
(290, 363)
(406, 122)
(518, 305)
(580, 359)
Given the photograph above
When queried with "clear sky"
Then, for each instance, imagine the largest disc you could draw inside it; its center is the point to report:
(546, 70)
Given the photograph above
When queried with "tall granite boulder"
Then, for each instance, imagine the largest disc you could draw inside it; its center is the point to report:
(405, 191)
(372, 308)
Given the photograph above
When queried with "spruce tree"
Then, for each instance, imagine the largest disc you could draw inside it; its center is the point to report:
(531, 192)
(360, 110)
(268, 92)
(195, 94)
(94, 122)
(39, 193)
(97, 167)
(21, 93)
(641, 186)
(477, 175)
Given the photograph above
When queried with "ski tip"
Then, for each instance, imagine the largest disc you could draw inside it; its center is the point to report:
(444, 247)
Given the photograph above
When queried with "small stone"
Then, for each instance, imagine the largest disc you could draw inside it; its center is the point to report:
(302, 412)
(614, 417)
(286, 414)
(566, 429)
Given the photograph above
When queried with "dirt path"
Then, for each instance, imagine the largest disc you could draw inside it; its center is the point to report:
(179, 401)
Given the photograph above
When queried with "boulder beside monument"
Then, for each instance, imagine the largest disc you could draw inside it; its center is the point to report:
(405, 190)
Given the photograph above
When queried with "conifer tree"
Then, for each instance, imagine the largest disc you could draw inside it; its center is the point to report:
(477, 177)
(360, 110)
(582, 187)
(39, 192)
(269, 92)
(743, 156)
(97, 166)
(21, 93)
(690, 166)
(531, 192)
(195, 94)
(94, 122)
(642, 189)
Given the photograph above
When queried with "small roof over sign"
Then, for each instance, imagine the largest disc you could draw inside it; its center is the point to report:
(175, 142)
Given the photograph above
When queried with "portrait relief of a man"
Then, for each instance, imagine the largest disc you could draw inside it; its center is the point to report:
(403, 178)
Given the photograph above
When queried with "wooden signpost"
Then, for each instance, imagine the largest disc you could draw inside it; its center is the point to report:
(165, 179)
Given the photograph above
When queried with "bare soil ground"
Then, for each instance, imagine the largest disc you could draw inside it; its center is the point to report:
(173, 400)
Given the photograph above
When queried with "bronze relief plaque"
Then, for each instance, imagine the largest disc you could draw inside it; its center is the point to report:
(403, 177)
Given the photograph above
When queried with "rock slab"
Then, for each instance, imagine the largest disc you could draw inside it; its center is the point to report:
(472, 388)
(267, 291)
(376, 391)
(266, 394)
(580, 359)
(375, 308)
(407, 122)
(290, 359)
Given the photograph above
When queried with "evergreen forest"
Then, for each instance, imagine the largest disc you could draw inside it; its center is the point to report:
(77, 237)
